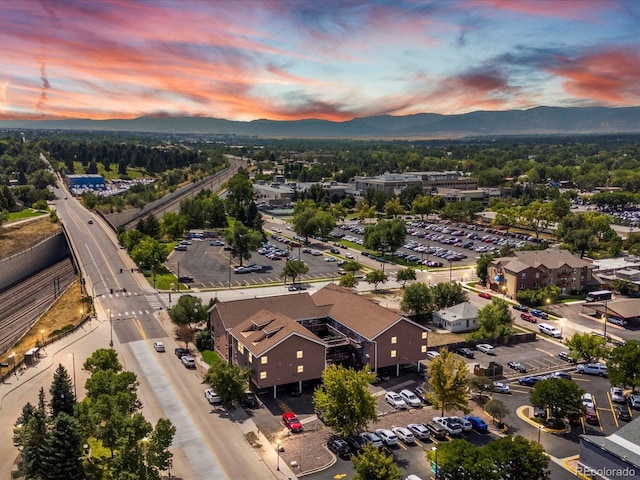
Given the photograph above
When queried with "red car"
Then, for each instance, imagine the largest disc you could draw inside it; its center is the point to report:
(591, 417)
(484, 295)
(528, 317)
(291, 421)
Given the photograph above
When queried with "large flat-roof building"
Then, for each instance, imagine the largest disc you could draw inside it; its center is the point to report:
(430, 182)
(83, 182)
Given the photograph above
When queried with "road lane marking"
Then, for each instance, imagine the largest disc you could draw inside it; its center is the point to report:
(138, 325)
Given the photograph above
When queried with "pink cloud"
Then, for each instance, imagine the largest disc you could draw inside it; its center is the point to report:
(573, 9)
(609, 76)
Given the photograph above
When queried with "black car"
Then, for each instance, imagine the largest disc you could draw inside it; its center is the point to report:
(465, 352)
(181, 352)
(339, 447)
(356, 443)
(250, 400)
(436, 430)
(334, 250)
(421, 393)
(528, 381)
(521, 308)
(185, 279)
(622, 413)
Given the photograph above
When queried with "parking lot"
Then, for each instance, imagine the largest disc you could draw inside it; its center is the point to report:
(210, 266)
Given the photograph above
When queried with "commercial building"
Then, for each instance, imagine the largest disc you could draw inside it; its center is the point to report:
(81, 183)
(430, 182)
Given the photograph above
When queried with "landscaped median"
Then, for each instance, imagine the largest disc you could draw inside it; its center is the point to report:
(522, 413)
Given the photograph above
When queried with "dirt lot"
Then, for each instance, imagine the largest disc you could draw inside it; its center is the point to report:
(18, 237)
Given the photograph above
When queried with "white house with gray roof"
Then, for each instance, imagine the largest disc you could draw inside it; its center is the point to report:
(459, 318)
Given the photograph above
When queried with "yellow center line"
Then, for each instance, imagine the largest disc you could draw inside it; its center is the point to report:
(138, 325)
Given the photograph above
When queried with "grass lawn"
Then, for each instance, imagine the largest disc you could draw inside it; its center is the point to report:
(112, 173)
(26, 213)
(211, 357)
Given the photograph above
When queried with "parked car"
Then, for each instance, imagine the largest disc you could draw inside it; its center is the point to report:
(565, 375)
(188, 361)
(587, 400)
(466, 425)
(387, 436)
(500, 387)
(291, 422)
(451, 426)
(478, 424)
(540, 314)
(404, 434)
(528, 381)
(593, 369)
(527, 317)
(372, 439)
(338, 446)
(216, 243)
(419, 431)
(465, 352)
(90, 222)
(521, 308)
(617, 395)
(436, 430)
(517, 366)
(250, 400)
(410, 398)
(622, 413)
(565, 356)
(211, 396)
(421, 393)
(395, 400)
(181, 352)
(486, 348)
(484, 295)
(431, 354)
(591, 416)
(617, 321)
(356, 443)
(158, 346)
(634, 401)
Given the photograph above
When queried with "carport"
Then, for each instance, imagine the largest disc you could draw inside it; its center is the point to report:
(627, 309)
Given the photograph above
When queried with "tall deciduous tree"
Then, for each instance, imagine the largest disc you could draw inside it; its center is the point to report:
(393, 208)
(349, 280)
(373, 464)
(189, 311)
(622, 365)
(173, 225)
(293, 269)
(586, 346)
(405, 274)
(559, 396)
(376, 277)
(422, 205)
(385, 236)
(239, 192)
(495, 321)
(243, 241)
(149, 253)
(461, 460)
(417, 299)
(344, 399)
(61, 391)
(447, 295)
(229, 382)
(496, 409)
(517, 457)
(449, 380)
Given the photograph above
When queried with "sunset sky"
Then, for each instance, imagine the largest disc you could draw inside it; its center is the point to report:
(295, 59)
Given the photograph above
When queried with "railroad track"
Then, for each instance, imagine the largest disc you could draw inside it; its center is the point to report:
(22, 304)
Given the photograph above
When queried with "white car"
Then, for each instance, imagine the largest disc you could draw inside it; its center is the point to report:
(587, 400)
(349, 256)
(159, 346)
(486, 348)
(634, 401)
(419, 431)
(395, 400)
(467, 426)
(500, 387)
(216, 243)
(404, 434)
(451, 426)
(330, 259)
(387, 436)
(410, 398)
(617, 395)
(431, 354)
(211, 396)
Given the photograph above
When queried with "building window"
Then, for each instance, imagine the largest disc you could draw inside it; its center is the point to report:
(250, 358)
(394, 340)
(522, 285)
(300, 368)
(299, 354)
(537, 274)
(424, 335)
(423, 348)
(393, 354)
(263, 360)
(241, 348)
(263, 375)
(523, 275)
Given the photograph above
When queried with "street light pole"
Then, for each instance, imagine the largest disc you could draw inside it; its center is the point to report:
(75, 388)
(278, 450)
(110, 329)
(435, 450)
(42, 334)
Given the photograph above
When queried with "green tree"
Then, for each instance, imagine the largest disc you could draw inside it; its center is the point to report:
(149, 253)
(376, 277)
(449, 381)
(159, 457)
(293, 269)
(417, 299)
(103, 359)
(494, 320)
(393, 208)
(129, 239)
(385, 236)
(363, 210)
(538, 216)
(422, 205)
(496, 409)
(351, 266)
(516, 457)
(345, 400)
(215, 215)
(623, 287)
(41, 205)
(62, 396)
(559, 396)
(373, 464)
(305, 222)
(480, 386)
(243, 241)
(586, 346)
(239, 192)
(229, 382)
(461, 460)
(188, 311)
(622, 366)
(349, 280)
(173, 225)
(405, 274)
(150, 226)
(482, 267)
(447, 295)
(62, 450)
(506, 215)
(31, 436)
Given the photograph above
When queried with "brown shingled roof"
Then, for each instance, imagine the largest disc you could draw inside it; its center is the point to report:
(360, 314)
(297, 306)
(550, 258)
(264, 330)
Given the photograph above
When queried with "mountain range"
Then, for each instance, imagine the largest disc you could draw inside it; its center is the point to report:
(534, 121)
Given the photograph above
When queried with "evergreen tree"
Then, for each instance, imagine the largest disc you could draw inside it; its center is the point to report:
(32, 437)
(62, 397)
(62, 450)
